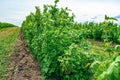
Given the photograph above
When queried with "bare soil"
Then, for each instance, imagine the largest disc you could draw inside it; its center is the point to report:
(25, 67)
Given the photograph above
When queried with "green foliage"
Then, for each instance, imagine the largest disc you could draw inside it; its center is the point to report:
(113, 72)
(75, 63)
(59, 44)
(110, 18)
(108, 47)
(101, 31)
(5, 25)
(56, 1)
(108, 69)
(117, 48)
(50, 34)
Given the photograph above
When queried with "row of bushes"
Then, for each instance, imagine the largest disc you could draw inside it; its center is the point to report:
(6, 25)
(61, 47)
(58, 46)
(106, 30)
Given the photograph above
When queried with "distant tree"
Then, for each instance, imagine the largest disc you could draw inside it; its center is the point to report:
(5, 25)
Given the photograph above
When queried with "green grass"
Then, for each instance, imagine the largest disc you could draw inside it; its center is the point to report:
(8, 39)
(98, 47)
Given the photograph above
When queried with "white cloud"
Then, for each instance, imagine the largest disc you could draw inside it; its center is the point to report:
(84, 9)
(91, 8)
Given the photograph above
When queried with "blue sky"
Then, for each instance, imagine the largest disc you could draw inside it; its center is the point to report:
(15, 11)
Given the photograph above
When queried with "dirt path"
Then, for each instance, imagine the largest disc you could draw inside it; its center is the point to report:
(25, 67)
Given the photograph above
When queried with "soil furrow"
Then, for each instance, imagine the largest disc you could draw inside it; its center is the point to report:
(25, 67)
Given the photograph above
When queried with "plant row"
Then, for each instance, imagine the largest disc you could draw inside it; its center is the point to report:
(107, 30)
(61, 47)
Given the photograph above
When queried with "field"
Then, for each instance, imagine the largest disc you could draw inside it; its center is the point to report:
(68, 50)
(8, 39)
(64, 49)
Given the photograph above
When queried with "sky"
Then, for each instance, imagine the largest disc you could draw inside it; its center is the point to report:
(15, 11)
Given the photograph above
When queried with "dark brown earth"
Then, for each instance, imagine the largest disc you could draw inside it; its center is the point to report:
(25, 67)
